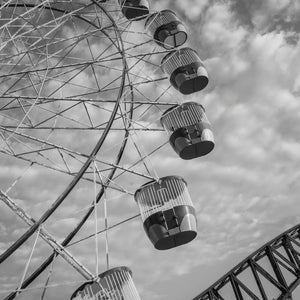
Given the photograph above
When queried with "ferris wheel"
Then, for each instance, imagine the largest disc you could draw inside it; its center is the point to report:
(91, 92)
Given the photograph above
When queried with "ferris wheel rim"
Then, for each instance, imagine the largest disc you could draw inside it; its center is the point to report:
(114, 168)
(72, 234)
(96, 149)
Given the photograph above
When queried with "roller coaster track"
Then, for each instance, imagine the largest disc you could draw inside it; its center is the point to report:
(270, 273)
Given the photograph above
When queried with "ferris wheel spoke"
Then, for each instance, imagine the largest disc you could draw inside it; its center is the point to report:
(31, 46)
(72, 234)
(60, 114)
(26, 34)
(52, 167)
(140, 160)
(126, 86)
(95, 128)
(55, 114)
(86, 100)
(49, 277)
(74, 75)
(46, 146)
(105, 230)
(60, 199)
(90, 82)
(69, 66)
(13, 4)
(81, 69)
(137, 148)
(53, 68)
(69, 46)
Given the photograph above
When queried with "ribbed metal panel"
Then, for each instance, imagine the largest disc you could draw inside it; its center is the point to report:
(179, 58)
(158, 19)
(189, 113)
(156, 197)
(116, 284)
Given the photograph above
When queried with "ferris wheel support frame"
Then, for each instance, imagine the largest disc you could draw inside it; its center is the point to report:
(47, 237)
(290, 263)
(83, 169)
(73, 233)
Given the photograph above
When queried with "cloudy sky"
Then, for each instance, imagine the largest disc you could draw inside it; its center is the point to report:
(245, 192)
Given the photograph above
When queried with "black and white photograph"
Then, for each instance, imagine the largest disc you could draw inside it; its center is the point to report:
(150, 149)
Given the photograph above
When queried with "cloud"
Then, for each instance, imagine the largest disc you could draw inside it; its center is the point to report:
(245, 191)
(220, 32)
(195, 13)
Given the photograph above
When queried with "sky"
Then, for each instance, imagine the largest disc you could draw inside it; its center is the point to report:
(245, 191)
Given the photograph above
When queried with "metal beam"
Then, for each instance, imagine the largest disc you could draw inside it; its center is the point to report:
(257, 279)
(274, 252)
(235, 287)
(291, 252)
(48, 238)
(275, 266)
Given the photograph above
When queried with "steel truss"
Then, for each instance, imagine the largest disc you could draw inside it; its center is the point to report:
(270, 273)
(118, 44)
